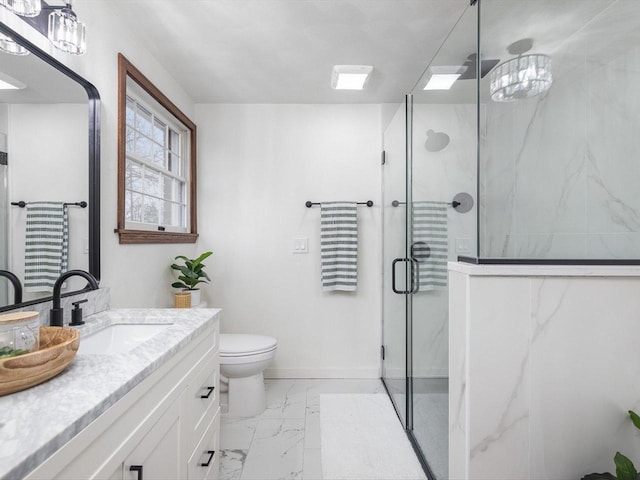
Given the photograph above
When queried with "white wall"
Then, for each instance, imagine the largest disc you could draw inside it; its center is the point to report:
(258, 166)
(138, 275)
(544, 367)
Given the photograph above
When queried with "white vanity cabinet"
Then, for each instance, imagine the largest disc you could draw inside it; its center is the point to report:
(166, 427)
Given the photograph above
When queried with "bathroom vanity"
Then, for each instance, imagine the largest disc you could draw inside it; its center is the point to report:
(149, 412)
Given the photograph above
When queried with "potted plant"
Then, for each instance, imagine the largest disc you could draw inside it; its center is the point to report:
(191, 274)
(625, 470)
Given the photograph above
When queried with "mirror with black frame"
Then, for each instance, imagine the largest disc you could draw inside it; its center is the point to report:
(49, 152)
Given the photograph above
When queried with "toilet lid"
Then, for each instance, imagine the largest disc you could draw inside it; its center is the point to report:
(237, 344)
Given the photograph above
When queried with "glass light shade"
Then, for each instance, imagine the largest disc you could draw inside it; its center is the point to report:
(66, 32)
(521, 77)
(8, 45)
(25, 8)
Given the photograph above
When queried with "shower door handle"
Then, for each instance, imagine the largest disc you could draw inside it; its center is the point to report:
(393, 276)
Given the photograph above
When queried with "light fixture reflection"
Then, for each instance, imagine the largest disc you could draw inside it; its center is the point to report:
(66, 32)
(522, 77)
(443, 77)
(8, 45)
(25, 8)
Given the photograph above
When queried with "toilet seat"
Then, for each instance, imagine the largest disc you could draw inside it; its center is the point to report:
(244, 345)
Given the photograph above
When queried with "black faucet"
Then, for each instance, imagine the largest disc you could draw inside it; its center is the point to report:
(17, 287)
(56, 314)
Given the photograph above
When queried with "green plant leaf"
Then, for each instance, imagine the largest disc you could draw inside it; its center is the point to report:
(625, 470)
(635, 418)
(178, 285)
(599, 476)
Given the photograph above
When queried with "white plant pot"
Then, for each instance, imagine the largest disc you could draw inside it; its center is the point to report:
(195, 297)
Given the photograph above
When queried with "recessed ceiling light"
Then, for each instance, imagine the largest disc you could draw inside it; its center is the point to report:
(443, 78)
(350, 77)
(9, 83)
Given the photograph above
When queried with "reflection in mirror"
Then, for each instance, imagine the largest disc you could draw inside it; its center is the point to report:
(48, 134)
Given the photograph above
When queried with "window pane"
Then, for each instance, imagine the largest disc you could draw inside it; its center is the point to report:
(152, 210)
(180, 192)
(167, 188)
(158, 156)
(144, 148)
(143, 121)
(130, 111)
(167, 214)
(133, 176)
(159, 131)
(130, 138)
(174, 141)
(174, 164)
(133, 207)
(178, 215)
(152, 184)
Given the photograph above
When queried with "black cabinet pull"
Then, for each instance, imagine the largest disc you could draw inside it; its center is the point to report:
(136, 468)
(211, 453)
(211, 389)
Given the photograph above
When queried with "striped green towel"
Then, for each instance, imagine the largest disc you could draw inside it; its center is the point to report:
(46, 246)
(339, 246)
(430, 244)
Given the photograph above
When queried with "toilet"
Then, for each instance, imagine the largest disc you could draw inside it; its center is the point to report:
(243, 358)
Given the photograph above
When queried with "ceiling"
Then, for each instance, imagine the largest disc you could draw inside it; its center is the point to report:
(283, 51)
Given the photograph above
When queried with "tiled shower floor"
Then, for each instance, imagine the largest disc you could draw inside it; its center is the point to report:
(284, 441)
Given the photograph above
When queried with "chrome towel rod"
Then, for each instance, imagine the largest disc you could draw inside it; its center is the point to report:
(368, 203)
(22, 204)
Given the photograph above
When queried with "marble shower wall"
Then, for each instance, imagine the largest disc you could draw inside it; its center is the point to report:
(544, 367)
(559, 172)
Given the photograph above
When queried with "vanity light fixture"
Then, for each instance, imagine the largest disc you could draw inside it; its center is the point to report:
(8, 45)
(350, 77)
(443, 77)
(521, 77)
(66, 32)
(24, 8)
(59, 24)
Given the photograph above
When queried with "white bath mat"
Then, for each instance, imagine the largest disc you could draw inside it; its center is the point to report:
(362, 439)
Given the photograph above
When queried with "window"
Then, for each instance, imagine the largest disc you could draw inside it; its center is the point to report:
(156, 164)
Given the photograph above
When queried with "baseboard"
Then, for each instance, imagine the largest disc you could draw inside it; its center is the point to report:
(321, 373)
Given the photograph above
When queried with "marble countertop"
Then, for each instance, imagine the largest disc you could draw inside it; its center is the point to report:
(36, 422)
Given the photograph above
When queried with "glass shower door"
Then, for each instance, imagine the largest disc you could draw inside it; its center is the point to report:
(443, 172)
(395, 323)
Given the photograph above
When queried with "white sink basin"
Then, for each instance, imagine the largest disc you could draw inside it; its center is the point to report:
(119, 338)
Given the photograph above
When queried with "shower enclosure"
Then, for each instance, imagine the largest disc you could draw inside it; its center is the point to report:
(536, 128)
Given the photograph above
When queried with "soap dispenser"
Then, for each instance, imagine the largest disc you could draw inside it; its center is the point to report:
(76, 313)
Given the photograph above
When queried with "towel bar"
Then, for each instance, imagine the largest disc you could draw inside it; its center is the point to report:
(22, 204)
(368, 203)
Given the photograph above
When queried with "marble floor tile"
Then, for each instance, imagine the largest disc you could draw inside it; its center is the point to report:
(237, 433)
(312, 427)
(312, 465)
(231, 464)
(286, 398)
(277, 450)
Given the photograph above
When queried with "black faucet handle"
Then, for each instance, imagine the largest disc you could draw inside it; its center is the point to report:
(76, 313)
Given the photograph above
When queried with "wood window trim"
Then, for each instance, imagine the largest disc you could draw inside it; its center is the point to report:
(128, 236)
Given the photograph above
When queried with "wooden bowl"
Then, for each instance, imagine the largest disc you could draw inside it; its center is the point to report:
(58, 346)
